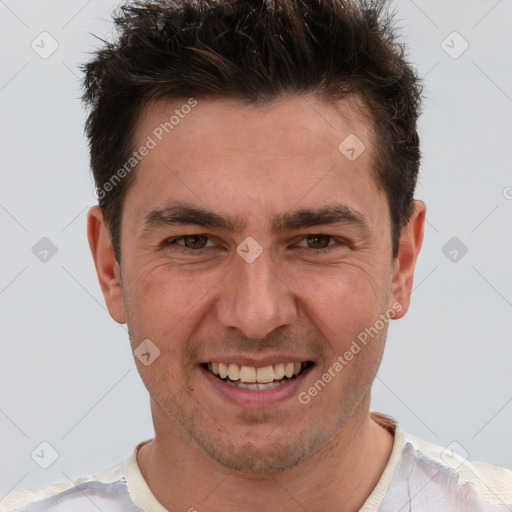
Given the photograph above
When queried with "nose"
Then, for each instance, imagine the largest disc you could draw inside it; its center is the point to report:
(257, 297)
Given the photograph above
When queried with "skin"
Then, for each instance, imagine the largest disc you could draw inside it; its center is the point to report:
(292, 302)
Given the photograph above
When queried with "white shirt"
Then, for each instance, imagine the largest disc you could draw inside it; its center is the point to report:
(419, 477)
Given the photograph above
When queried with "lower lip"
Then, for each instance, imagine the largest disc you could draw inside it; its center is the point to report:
(257, 398)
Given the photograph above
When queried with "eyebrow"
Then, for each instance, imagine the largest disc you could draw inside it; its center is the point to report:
(181, 213)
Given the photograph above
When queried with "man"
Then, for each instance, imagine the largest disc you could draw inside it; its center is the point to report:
(255, 165)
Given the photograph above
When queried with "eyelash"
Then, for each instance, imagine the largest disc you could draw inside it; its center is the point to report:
(183, 249)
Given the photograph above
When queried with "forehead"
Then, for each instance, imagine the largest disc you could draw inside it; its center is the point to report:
(221, 152)
(256, 125)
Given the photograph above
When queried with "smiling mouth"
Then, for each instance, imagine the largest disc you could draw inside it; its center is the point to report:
(257, 379)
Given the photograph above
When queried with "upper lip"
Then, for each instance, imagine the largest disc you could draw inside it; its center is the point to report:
(260, 362)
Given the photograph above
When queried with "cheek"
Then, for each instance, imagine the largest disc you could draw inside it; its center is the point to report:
(341, 298)
(343, 303)
(350, 289)
(163, 303)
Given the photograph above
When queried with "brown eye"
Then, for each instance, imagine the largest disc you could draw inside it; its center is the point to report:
(192, 243)
(318, 241)
(195, 241)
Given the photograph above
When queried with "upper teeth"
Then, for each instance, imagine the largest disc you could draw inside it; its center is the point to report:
(262, 375)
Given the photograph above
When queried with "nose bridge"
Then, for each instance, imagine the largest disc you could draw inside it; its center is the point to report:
(255, 298)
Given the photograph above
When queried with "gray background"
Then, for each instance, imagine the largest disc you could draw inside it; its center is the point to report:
(66, 372)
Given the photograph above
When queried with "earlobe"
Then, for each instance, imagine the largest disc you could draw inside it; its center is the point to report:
(105, 262)
(411, 240)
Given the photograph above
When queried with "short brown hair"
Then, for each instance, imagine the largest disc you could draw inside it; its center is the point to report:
(255, 51)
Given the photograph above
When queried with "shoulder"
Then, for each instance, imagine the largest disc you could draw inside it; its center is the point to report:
(18, 499)
(104, 484)
(441, 478)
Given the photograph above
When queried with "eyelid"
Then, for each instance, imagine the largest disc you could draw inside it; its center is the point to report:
(175, 238)
(338, 241)
(335, 239)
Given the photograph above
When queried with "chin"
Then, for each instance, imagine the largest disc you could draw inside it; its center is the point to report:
(269, 459)
(271, 452)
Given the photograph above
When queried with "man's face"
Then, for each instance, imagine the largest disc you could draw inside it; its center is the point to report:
(263, 293)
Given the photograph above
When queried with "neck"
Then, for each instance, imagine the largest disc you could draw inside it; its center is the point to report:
(342, 474)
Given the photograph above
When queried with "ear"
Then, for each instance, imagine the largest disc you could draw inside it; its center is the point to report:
(107, 267)
(411, 240)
